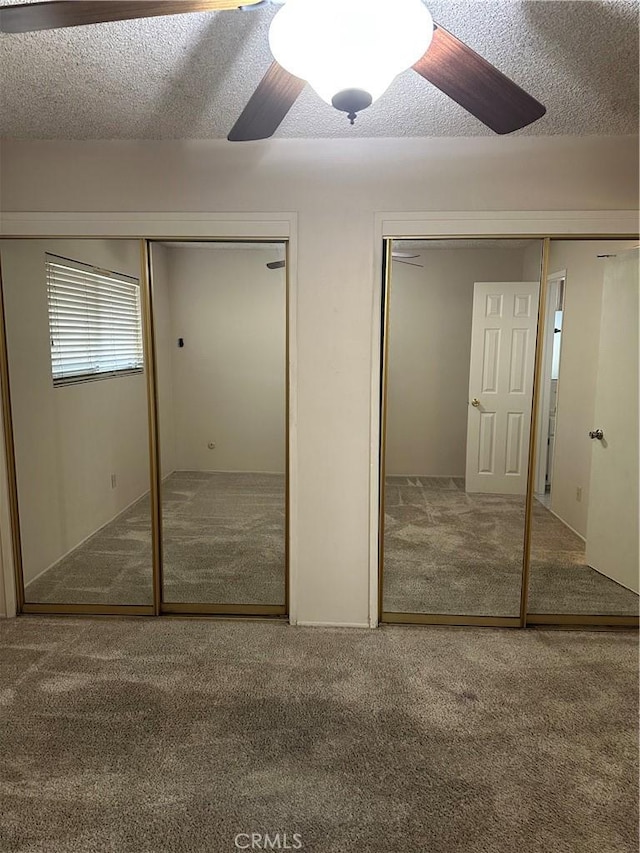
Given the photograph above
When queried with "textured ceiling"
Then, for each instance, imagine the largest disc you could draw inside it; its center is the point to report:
(189, 76)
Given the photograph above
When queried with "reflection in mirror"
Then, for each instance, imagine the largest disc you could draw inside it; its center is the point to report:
(584, 537)
(220, 331)
(462, 319)
(80, 425)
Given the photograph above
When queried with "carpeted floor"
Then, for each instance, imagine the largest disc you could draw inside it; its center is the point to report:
(446, 551)
(155, 736)
(223, 542)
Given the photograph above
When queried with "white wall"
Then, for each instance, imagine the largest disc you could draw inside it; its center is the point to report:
(229, 377)
(335, 186)
(532, 262)
(430, 313)
(578, 373)
(69, 440)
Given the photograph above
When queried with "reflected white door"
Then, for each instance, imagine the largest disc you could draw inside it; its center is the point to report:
(612, 522)
(503, 341)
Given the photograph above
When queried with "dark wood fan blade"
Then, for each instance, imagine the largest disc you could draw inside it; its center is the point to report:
(277, 265)
(54, 14)
(269, 104)
(477, 85)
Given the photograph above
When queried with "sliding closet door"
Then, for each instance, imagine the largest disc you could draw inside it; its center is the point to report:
(78, 404)
(584, 542)
(460, 338)
(220, 340)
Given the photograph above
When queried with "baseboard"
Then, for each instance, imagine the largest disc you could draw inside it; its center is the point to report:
(86, 538)
(221, 471)
(568, 526)
(428, 476)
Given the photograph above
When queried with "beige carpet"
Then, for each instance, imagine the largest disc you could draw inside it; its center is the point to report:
(174, 736)
(446, 551)
(223, 542)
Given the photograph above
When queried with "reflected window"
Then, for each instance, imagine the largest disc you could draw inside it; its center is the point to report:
(81, 446)
(95, 322)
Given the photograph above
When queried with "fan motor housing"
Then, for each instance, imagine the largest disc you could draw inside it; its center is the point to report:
(352, 101)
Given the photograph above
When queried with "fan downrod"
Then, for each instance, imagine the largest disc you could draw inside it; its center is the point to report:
(352, 101)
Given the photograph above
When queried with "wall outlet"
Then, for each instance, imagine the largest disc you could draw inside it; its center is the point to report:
(579, 494)
(113, 481)
(211, 445)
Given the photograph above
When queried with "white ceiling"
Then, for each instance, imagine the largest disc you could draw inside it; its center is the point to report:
(189, 76)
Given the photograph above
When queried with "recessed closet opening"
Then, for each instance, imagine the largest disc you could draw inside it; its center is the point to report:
(502, 501)
(146, 400)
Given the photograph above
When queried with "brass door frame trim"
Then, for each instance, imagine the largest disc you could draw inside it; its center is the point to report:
(184, 609)
(531, 456)
(89, 609)
(155, 473)
(158, 607)
(585, 620)
(392, 618)
(384, 356)
(543, 235)
(10, 456)
(525, 618)
(287, 436)
(213, 608)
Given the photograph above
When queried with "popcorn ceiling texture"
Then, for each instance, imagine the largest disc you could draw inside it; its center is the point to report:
(189, 76)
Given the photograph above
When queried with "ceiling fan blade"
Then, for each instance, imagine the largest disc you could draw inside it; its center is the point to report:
(54, 14)
(277, 265)
(276, 94)
(408, 263)
(475, 84)
(404, 255)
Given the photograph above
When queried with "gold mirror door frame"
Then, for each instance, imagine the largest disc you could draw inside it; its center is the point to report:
(554, 547)
(151, 380)
(208, 488)
(523, 618)
(76, 274)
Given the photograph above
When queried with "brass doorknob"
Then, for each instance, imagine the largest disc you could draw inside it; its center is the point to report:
(475, 402)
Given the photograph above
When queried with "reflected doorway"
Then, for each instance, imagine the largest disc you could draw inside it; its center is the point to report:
(460, 337)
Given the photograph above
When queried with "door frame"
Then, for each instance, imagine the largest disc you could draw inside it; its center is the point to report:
(145, 227)
(543, 225)
(545, 379)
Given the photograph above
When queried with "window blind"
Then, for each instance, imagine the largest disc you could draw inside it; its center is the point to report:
(95, 323)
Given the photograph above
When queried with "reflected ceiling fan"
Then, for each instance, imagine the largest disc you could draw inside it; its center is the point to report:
(349, 51)
(399, 257)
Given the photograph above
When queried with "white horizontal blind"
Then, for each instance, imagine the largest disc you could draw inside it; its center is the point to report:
(95, 322)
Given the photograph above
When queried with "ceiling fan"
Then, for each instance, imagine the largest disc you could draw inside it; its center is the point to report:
(399, 257)
(348, 50)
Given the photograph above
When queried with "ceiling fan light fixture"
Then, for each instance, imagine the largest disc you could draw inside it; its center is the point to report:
(350, 51)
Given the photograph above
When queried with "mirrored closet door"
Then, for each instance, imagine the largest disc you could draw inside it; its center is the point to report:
(584, 534)
(459, 351)
(78, 420)
(221, 353)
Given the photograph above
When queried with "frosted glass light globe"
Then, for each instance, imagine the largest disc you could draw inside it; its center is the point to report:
(339, 46)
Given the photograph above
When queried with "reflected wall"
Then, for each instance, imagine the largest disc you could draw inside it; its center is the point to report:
(220, 341)
(76, 364)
